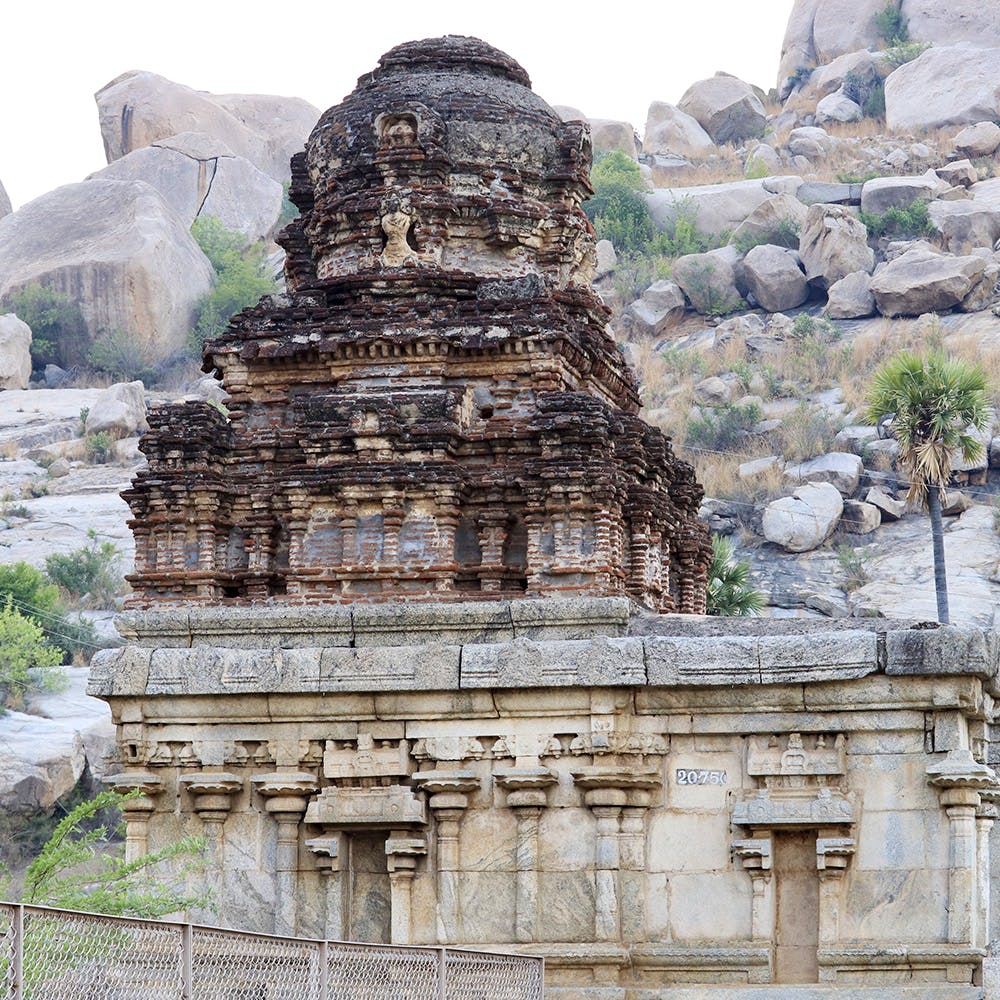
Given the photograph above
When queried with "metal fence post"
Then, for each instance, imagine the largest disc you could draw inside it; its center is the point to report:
(17, 959)
(442, 973)
(187, 962)
(324, 971)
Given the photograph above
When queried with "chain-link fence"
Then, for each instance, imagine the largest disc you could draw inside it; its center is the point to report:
(48, 954)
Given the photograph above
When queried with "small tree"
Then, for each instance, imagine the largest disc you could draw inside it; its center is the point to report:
(73, 871)
(26, 659)
(933, 402)
(730, 593)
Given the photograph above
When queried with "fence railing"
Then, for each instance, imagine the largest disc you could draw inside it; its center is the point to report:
(48, 954)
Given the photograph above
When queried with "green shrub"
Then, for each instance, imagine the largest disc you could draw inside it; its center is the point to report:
(117, 354)
(91, 571)
(97, 447)
(903, 53)
(756, 169)
(800, 76)
(784, 234)
(914, 220)
(868, 175)
(27, 660)
(805, 327)
(854, 565)
(867, 92)
(36, 597)
(58, 329)
(241, 278)
(891, 25)
(617, 209)
(150, 886)
(722, 428)
(874, 106)
(681, 236)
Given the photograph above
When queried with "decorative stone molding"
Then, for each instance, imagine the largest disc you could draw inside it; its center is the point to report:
(794, 755)
(212, 792)
(385, 807)
(833, 854)
(611, 793)
(138, 810)
(757, 854)
(389, 759)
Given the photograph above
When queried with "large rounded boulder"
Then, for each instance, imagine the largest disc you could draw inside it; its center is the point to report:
(139, 108)
(805, 519)
(726, 108)
(118, 251)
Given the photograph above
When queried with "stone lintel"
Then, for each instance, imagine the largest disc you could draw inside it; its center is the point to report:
(381, 808)
(598, 777)
(826, 808)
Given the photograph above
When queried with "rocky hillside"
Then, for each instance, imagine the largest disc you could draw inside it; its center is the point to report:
(776, 248)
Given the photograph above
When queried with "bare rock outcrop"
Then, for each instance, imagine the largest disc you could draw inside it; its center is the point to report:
(945, 86)
(5, 206)
(139, 108)
(199, 175)
(118, 250)
(774, 278)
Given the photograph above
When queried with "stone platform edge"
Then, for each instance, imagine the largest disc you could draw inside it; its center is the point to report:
(581, 642)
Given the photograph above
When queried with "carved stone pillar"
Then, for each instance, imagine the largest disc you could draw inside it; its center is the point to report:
(632, 851)
(402, 850)
(985, 818)
(286, 795)
(960, 777)
(608, 790)
(527, 795)
(331, 859)
(757, 854)
(213, 791)
(138, 810)
(449, 798)
(833, 855)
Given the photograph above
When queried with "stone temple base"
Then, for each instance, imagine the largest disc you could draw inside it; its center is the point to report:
(662, 806)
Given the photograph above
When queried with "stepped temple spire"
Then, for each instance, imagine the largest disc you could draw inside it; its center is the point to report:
(436, 409)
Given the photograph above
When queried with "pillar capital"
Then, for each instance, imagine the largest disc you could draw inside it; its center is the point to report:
(285, 792)
(147, 784)
(526, 787)
(212, 791)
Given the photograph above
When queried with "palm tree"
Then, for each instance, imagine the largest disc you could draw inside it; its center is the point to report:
(729, 590)
(934, 402)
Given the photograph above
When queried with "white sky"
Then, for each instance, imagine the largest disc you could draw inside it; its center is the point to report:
(607, 60)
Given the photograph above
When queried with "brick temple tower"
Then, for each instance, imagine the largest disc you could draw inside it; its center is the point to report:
(436, 409)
